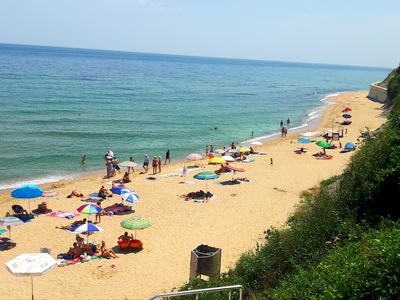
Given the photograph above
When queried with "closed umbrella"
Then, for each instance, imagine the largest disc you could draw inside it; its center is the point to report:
(31, 264)
(10, 221)
(135, 223)
(29, 191)
(129, 196)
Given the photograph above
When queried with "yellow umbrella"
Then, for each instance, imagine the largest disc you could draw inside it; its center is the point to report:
(243, 149)
(216, 160)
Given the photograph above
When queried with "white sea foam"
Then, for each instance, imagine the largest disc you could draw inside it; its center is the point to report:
(48, 179)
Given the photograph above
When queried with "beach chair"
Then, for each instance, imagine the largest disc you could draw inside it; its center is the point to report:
(21, 213)
(132, 244)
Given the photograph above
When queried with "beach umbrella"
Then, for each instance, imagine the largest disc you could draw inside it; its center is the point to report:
(346, 109)
(10, 221)
(31, 264)
(207, 175)
(234, 169)
(135, 223)
(350, 146)
(49, 194)
(216, 160)
(194, 156)
(117, 189)
(256, 143)
(129, 196)
(304, 140)
(29, 191)
(89, 209)
(228, 158)
(128, 164)
(243, 149)
(87, 228)
(219, 151)
(346, 116)
(323, 144)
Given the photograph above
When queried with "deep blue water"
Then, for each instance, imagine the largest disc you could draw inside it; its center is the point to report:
(57, 104)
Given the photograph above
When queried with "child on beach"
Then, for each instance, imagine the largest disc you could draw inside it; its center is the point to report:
(155, 164)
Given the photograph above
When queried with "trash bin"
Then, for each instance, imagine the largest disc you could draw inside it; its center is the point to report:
(205, 260)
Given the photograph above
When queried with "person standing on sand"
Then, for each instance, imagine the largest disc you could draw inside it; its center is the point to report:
(167, 157)
(159, 162)
(281, 123)
(129, 168)
(116, 165)
(155, 164)
(146, 162)
(98, 215)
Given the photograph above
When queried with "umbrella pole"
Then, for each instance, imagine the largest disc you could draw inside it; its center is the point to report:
(32, 287)
(9, 231)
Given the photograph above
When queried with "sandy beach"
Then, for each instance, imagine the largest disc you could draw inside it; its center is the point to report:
(234, 220)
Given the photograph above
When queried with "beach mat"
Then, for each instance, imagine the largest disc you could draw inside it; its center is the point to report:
(62, 214)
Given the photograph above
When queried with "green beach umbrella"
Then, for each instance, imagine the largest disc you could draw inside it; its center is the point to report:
(135, 223)
(323, 144)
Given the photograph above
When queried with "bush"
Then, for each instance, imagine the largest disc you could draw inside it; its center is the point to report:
(367, 269)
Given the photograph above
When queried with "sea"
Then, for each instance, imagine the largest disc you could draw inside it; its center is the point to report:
(58, 104)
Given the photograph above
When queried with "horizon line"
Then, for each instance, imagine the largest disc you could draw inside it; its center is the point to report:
(200, 56)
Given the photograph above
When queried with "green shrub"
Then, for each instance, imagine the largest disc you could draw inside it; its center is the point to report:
(367, 269)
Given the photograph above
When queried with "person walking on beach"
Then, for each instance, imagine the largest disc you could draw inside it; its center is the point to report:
(155, 164)
(167, 157)
(146, 162)
(159, 162)
(281, 123)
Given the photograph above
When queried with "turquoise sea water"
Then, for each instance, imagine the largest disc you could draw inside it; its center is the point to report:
(57, 104)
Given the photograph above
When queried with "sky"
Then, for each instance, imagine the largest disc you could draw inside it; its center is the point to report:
(349, 32)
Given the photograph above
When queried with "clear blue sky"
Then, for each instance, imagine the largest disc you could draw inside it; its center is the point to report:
(356, 32)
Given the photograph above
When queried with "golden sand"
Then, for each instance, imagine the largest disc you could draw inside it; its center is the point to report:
(234, 221)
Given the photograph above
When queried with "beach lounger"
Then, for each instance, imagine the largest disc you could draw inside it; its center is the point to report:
(132, 244)
(20, 213)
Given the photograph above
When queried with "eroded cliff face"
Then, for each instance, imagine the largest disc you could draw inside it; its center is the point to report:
(393, 89)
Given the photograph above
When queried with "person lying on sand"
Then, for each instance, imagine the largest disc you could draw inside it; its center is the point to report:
(222, 169)
(243, 179)
(73, 225)
(196, 195)
(75, 194)
(107, 253)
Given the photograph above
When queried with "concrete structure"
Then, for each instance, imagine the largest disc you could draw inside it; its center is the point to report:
(377, 92)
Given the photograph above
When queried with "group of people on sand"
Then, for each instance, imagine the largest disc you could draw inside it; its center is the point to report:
(112, 164)
(156, 162)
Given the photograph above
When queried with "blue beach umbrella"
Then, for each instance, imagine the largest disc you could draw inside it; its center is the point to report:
(304, 140)
(27, 192)
(87, 229)
(346, 116)
(129, 196)
(207, 175)
(117, 190)
(350, 146)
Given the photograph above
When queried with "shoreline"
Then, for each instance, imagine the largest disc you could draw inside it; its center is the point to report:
(233, 221)
(313, 119)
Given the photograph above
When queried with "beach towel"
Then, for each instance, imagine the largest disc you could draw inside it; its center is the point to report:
(170, 175)
(62, 214)
(90, 200)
